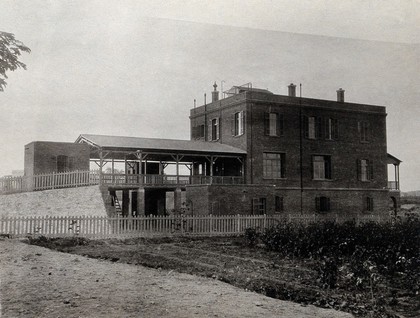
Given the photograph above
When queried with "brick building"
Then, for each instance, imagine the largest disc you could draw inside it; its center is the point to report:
(314, 155)
(252, 152)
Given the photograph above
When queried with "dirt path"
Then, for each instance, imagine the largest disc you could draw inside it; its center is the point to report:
(38, 282)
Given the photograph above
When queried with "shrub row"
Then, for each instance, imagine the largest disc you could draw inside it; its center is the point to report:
(368, 249)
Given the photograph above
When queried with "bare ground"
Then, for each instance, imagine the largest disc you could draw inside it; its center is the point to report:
(38, 282)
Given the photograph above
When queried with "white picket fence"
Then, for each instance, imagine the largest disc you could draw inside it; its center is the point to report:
(119, 227)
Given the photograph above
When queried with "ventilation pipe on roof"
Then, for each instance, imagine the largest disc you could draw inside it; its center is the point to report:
(214, 94)
(292, 90)
(340, 95)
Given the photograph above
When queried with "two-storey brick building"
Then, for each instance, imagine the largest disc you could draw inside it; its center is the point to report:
(309, 155)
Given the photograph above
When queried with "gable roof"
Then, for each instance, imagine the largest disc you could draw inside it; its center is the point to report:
(155, 144)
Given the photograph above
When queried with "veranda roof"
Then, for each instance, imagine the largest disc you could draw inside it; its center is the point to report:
(155, 144)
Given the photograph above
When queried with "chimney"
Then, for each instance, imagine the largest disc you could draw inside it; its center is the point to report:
(340, 95)
(215, 94)
(292, 90)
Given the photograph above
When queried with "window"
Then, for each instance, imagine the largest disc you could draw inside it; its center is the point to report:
(309, 124)
(259, 205)
(273, 165)
(322, 204)
(331, 129)
(279, 204)
(64, 163)
(238, 124)
(364, 131)
(321, 167)
(320, 128)
(215, 129)
(369, 204)
(364, 170)
(274, 124)
(198, 132)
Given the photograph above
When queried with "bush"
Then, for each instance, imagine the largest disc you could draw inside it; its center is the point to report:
(371, 250)
(251, 236)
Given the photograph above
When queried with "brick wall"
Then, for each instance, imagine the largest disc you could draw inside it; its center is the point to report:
(41, 156)
(228, 199)
(341, 201)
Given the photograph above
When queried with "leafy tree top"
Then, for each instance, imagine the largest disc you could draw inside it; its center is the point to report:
(10, 50)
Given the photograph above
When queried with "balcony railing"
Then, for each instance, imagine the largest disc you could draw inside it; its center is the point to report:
(74, 179)
(152, 179)
(394, 185)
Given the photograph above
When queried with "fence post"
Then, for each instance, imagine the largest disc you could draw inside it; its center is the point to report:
(53, 180)
(238, 224)
(182, 224)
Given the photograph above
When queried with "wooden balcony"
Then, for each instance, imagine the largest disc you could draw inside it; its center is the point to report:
(73, 179)
(166, 180)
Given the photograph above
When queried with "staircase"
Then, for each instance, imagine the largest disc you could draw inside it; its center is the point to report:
(117, 205)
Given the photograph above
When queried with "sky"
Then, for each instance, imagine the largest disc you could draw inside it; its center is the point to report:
(134, 68)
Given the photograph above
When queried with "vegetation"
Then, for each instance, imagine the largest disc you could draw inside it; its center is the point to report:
(370, 269)
(10, 50)
(372, 258)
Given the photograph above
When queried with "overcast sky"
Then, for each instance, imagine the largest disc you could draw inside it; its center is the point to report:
(134, 68)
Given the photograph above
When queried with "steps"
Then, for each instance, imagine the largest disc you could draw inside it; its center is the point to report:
(117, 205)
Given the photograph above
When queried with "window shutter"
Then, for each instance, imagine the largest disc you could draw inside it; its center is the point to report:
(243, 123)
(317, 204)
(217, 129)
(233, 125)
(255, 206)
(210, 130)
(370, 170)
(318, 128)
(334, 128)
(266, 123)
(359, 169)
(280, 123)
(326, 128)
(312, 168)
(327, 166)
(283, 165)
(305, 126)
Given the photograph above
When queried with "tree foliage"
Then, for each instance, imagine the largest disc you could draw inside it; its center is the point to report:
(10, 51)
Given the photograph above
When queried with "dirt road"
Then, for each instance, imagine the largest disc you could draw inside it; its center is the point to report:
(38, 282)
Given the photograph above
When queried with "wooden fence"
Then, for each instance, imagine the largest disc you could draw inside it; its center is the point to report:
(104, 227)
(71, 179)
(12, 185)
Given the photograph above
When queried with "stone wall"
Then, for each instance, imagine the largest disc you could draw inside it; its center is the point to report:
(81, 201)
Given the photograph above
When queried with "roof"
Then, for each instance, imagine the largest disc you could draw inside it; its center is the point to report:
(154, 144)
(393, 160)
